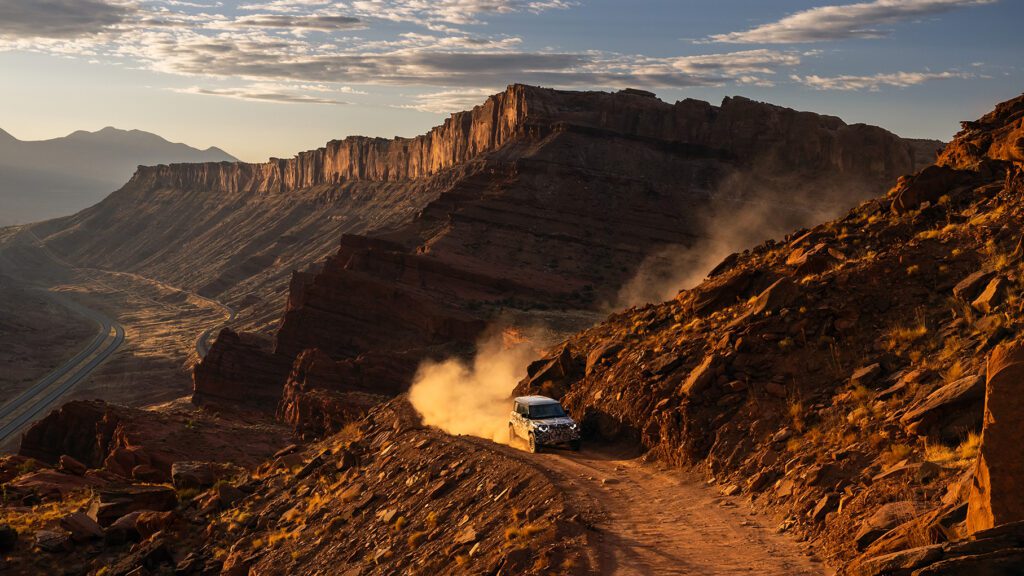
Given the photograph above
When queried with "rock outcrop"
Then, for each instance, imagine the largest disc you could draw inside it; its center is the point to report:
(241, 369)
(144, 444)
(995, 137)
(998, 483)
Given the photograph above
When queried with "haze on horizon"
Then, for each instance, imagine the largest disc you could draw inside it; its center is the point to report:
(263, 78)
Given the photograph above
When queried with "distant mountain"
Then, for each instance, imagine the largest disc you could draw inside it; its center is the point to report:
(49, 178)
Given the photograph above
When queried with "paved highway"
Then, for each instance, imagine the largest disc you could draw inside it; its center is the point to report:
(202, 344)
(42, 395)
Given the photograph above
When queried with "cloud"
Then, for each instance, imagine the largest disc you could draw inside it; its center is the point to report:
(737, 63)
(261, 93)
(412, 59)
(59, 18)
(861, 20)
(306, 42)
(451, 100)
(877, 81)
(315, 22)
(459, 12)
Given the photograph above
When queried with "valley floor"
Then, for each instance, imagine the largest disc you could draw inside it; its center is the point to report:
(162, 324)
(647, 520)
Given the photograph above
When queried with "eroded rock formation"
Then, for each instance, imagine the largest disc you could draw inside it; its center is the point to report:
(998, 483)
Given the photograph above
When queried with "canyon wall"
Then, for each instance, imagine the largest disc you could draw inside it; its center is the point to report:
(749, 129)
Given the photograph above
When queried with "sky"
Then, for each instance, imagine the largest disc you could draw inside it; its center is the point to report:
(269, 78)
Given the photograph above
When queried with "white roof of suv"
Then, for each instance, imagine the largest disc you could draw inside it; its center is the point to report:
(535, 400)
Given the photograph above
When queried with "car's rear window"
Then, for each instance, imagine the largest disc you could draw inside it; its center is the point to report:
(552, 410)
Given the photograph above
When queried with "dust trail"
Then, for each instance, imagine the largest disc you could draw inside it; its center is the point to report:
(473, 398)
(736, 220)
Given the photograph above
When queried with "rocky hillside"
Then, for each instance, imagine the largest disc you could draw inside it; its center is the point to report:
(382, 497)
(860, 377)
(48, 178)
(552, 201)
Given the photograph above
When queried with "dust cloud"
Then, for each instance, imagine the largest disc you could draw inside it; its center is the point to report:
(474, 398)
(735, 221)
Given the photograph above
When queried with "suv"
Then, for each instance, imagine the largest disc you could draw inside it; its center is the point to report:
(541, 421)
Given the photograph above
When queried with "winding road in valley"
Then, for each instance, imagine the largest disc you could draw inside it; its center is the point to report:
(46, 393)
(203, 341)
(30, 404)
(649, 521)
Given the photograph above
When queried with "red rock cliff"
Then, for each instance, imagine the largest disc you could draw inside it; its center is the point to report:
(744, 127)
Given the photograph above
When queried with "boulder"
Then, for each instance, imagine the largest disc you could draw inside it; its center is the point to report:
(1008, 562)
(969, 288)
(866, 375)
(49, 484)
(828, 503)
(903, 562)
(150, 522)
(346, 459)
(81, 527)
(554, 370)
(699, 378)
(721, 292)
(148, 473)
(53, 541)
(193, 475)
(991, 297)
(950, 412)
(813, 261)
(993, 552)
(113, 503)
(124, 529)
(887, 517)
(778, 295)
(605, 349)
(71, 466)
(995, 496)
(928, 185)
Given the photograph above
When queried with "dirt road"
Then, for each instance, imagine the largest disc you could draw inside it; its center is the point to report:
(653, 522)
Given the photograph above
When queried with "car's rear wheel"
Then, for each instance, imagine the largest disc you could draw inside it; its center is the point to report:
(574, 445)
(534, 446)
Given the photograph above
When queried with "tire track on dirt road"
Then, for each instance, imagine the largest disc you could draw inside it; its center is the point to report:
(648, 521)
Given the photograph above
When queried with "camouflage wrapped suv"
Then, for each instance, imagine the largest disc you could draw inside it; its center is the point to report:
(541, 421)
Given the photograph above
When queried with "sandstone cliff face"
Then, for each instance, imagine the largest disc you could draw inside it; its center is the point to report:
(567, 193)
(785, 138)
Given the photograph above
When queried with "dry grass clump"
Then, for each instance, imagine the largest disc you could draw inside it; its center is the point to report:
(961, 456)
(896, 453)
(41, 516)
(796, 414)
(417, 538)
(518, 533)
(900, 337)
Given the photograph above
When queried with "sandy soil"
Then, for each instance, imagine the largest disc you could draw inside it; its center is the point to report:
(161, 326)
(647, 521)
(36, 336)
